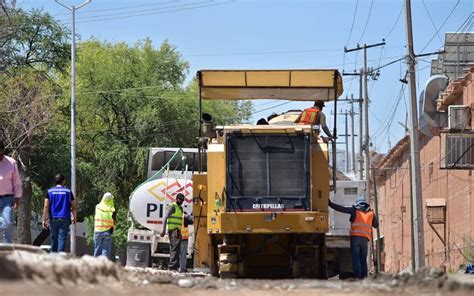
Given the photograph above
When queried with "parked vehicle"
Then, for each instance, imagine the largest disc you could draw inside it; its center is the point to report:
(169, 173)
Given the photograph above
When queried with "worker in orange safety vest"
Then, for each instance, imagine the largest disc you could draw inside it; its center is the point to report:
(362, 220)
(187, 220)
(315, 116)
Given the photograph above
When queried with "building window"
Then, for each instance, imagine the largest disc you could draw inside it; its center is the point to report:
(350, 191)
(457, 151)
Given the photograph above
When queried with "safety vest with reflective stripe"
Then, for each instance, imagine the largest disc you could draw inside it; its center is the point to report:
(309, 116)
(103, 219)
(362, 224)
(175, 220)
(184, 231)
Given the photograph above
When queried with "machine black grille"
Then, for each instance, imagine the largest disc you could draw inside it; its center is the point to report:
(267, 172)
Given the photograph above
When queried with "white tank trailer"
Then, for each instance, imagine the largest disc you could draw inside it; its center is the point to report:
(169, 173)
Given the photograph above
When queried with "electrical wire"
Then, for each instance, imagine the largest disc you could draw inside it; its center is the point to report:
(262, 53)
(130, 128)
(396, 21)
(382, 48)
(131, 13)
(154, 13)
(440, 27)
(81, 12)
(391, 116)
(432, 22)
(353, 22)
(137, 13)
(367, 21)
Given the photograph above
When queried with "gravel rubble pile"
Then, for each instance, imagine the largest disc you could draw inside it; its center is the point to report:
(55, 269)
(427, 277)
(64, 270)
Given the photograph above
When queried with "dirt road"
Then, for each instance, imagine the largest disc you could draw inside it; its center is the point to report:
(23, 273)
(227, 288)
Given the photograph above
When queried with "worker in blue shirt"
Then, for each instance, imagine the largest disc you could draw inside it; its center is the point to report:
(58, 204)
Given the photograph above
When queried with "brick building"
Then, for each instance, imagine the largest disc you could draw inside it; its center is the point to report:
(446, 160)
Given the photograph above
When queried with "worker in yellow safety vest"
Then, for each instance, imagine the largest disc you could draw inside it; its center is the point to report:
(362, 220)
(173, 221)
(315, 116)
(104, 223)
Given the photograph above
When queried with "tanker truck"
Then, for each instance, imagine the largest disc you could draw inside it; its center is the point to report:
(169, 172)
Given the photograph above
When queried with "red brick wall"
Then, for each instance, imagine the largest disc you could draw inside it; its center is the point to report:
(455, 186)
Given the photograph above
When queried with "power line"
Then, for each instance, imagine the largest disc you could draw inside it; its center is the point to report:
(118, 8)
(261, 53)
(392, 112)
(396, 21)
(432, 22)
(134, 127)
(367, 22)
(378, 66)
(150, 10)
(90, 91)
(154, 13)
(175, 8)
(442, 25)
(353, 22)
(390, 63)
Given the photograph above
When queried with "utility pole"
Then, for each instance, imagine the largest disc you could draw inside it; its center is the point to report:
(360, 100)
(366, 125)
(376, 205)
(353, 136)
(415, 176)
(346, 136)
(73, 10)
(347, 140)
(365, 73)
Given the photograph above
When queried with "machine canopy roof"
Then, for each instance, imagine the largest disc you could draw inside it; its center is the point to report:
(294, 85)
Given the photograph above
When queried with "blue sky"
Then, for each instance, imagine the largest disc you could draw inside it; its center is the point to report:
(263, 34)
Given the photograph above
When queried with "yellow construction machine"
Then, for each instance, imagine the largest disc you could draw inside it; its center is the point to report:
(261, 210)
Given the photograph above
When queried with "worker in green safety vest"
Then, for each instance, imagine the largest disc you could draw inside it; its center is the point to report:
(173, 222)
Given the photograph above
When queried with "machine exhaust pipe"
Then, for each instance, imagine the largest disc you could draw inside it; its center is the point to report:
(207, 127)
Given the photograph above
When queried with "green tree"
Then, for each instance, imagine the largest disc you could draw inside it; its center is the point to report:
(131, 98)
(33, 52)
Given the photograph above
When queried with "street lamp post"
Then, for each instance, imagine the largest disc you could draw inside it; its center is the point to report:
(73, 10)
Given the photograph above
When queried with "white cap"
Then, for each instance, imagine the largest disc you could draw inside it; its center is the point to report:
(360, 199)
(107, 196)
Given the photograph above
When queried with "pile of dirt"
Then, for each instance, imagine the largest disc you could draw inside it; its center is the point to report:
(57, 269)
(427, 277)
(65, 270)
(141, 277)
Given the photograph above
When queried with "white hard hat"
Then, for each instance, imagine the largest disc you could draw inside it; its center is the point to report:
(107, 196)
(360, 199)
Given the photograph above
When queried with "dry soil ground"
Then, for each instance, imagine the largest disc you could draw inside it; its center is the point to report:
(25, 273)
